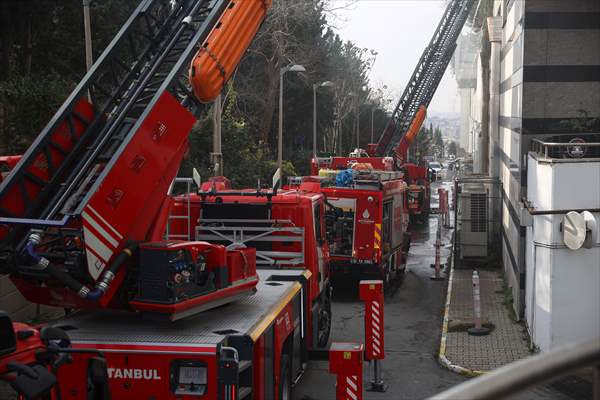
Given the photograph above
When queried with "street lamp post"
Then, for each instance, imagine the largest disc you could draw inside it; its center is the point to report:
(372, 113)
(87, 36)
(282, 71)
(357, 124)
(352, 95)
(87, 26)
(315, 87)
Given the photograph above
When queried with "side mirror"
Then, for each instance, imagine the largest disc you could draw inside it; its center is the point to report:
(51, 334)
(8, 339)
(98, 387)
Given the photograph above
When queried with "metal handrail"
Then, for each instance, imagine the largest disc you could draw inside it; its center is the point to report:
(172, 236)
(246, 236)
(546, 148)
(529, 372)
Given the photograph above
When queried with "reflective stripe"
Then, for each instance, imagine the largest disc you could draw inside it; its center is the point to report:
(88, 218)
(95, 265)
(377, 236)
(105, 222)
(350, 382)
(96, 244)
(352, 387)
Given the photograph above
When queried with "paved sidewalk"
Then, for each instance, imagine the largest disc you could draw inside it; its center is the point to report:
(474, 355)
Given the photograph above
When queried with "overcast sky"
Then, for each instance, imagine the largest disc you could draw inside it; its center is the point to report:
(398, 30)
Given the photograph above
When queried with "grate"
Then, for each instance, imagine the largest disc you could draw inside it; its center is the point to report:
(478, 212)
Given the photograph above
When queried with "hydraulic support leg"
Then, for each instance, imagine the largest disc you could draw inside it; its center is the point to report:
(371, 292)
(438, 245)
(346, 361)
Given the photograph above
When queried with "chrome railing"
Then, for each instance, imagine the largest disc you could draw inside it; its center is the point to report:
(255, 233)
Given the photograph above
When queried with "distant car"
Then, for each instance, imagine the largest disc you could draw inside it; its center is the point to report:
(436, 167)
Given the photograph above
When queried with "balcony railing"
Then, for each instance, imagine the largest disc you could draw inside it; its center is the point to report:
(582, 146)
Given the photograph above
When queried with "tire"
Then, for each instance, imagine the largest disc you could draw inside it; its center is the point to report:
(285, 379)
(324, 320)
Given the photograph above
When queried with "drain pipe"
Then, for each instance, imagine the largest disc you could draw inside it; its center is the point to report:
(57, 273)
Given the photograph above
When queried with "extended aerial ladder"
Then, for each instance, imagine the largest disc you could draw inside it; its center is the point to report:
(84, 196)
(423, 83)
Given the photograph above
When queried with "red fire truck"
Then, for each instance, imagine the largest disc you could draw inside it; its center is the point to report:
(85, 223)
(419, 191)
(252, 348)
(368, 233)
(416, 176)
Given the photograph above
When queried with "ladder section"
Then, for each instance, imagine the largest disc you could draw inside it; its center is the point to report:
(149, 56)
(426, 76)
(50, 160)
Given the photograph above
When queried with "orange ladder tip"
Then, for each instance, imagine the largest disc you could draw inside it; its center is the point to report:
(222, 51)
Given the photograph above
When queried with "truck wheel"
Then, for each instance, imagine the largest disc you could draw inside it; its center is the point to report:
(324, 321)
(285, 379)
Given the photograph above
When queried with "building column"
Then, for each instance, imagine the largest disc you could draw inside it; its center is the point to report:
(495, 35)
(465, 112)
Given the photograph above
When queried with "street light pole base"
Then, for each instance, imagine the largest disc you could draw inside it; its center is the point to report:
(379, 387)
(483, 331)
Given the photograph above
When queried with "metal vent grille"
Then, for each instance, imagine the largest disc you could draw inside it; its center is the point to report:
(478, 212)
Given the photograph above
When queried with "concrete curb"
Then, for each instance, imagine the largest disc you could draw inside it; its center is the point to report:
(442, 354)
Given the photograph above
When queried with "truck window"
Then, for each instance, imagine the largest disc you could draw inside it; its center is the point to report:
(340, 226)
(386, 226)
(317, 222)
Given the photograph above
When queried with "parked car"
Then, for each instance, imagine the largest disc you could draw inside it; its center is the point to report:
(436, 168)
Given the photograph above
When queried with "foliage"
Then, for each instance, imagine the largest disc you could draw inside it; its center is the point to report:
(430, 142)
(42, 59)
(29, 106)
(452, 148)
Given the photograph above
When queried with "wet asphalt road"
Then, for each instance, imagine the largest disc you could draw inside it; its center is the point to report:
(413, 318)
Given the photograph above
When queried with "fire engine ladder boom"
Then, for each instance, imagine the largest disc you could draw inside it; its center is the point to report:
(149, 56)
(426, 76)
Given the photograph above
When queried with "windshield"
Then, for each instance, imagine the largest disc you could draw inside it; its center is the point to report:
(435, 165)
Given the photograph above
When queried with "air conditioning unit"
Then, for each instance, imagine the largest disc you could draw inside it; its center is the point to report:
(473, 217)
